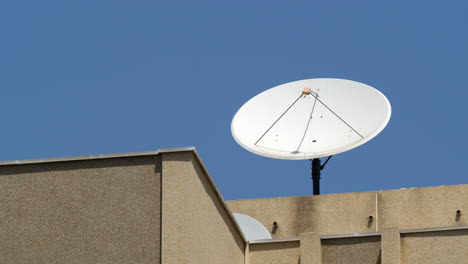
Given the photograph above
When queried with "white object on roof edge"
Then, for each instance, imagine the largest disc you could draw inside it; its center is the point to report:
(251, 227)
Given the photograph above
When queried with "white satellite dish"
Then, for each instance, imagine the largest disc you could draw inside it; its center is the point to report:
(309, 119)
(251, 227)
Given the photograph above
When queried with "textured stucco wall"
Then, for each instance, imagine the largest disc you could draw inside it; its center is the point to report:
(90, 211)
(423, 207)
(347, 213)
(324, 214)
(275, 253)
(441, 247)
(196, 228)
(391, 246)
(362, 250)
(311, 248)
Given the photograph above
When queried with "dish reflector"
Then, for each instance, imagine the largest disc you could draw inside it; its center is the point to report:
(311, 119)
(252, 228)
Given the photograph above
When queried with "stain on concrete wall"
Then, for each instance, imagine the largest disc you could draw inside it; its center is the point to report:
(347, 213)
(324, 214)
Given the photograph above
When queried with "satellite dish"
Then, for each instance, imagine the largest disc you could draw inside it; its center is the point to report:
(251, 227)
(310, 119)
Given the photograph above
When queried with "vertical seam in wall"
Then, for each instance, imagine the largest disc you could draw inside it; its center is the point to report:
(160, 161)
(376, 212)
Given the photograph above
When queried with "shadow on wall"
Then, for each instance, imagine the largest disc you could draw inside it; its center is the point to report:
(362, 250)
(278, 252)
(274, 246)
(449, 233)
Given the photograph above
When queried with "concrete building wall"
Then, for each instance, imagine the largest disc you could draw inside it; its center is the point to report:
(440, 247)
(324, 214)
(196, 226)
(163, 207)
(411, 247)
(423, 207)
(348, 212)
(275, 253)
(362, 250)
(86, 211)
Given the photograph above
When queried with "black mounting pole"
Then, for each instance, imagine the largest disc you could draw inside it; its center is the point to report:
(316, 168)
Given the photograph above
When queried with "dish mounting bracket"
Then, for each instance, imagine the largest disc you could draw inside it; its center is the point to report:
(317, 167)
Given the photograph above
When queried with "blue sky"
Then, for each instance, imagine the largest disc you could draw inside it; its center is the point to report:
(94, 77)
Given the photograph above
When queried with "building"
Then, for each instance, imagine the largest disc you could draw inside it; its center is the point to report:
(163, 207)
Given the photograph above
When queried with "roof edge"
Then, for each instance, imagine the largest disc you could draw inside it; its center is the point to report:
(93, 157)
(345, 193)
